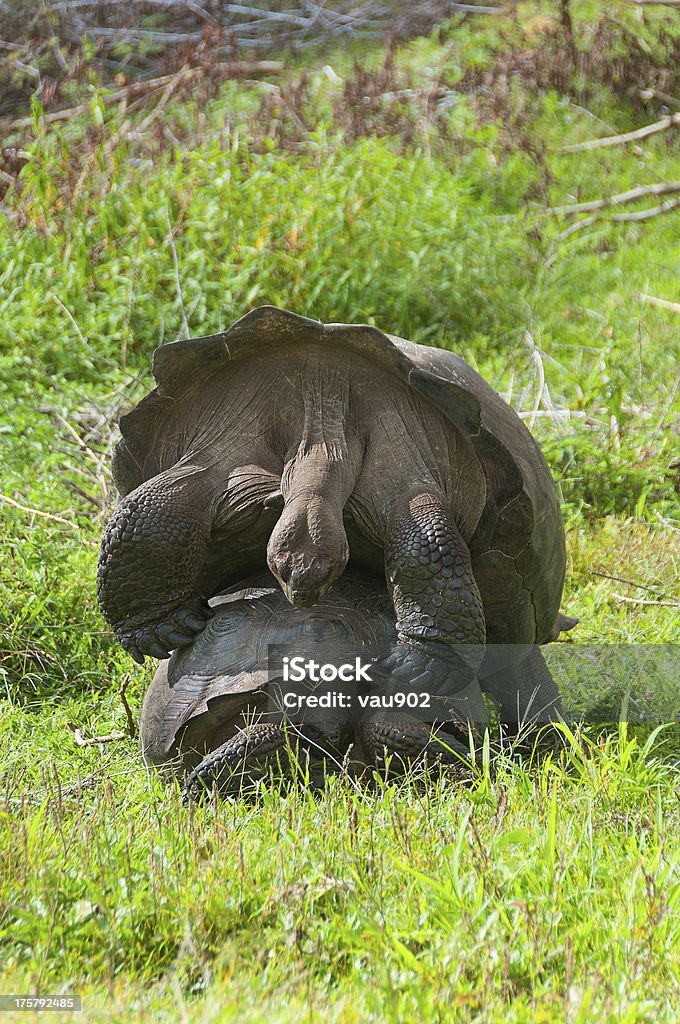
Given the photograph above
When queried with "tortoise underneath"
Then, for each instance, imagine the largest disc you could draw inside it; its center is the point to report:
(287, 442)
(211, 709)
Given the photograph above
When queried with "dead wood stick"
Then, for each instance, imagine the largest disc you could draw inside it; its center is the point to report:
(132, 728)
(167, 93)
(672, 121)
(660, 188)
(663, 97)
(38, 512)
(663, 303)
(228, 68)
(621, 218)
(83, 494)
(641, 600)
(655, 3)
(651, 211)
(631, 583)
(85, 741)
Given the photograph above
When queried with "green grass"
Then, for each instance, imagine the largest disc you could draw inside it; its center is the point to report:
(544, 893)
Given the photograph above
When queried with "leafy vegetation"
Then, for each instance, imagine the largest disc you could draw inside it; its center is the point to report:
(414, 191)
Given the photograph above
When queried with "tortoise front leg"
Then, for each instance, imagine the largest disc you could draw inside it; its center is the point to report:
(258, 748)
(412, 743)
(150, 558)
(436, 600)
(440, 632)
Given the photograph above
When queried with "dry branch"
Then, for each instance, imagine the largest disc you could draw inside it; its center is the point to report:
(663, 97)
(663, 303)
(38, 512)
(655, 3)
(641, 600)
(631, 583)
(652, 211)
(132, 728)
(672, 121)
(661, 188)
(84, 741)
(228, 69)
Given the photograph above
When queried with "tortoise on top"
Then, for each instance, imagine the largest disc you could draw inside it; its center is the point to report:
(297, 443)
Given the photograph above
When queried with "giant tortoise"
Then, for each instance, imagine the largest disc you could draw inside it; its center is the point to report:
(302, 445)
(213, 708)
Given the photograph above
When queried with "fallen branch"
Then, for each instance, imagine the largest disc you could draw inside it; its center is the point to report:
(652, 300)
(84, 741)
(651, 211)
(641, 600)
(631, 583)
(167, 93)
(655, 3)
(229, 69)
(620, 218)
(672, 121)
(38, 512)
(663, 97)
(661, 188)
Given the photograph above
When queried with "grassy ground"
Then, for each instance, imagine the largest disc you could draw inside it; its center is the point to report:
(541, 894)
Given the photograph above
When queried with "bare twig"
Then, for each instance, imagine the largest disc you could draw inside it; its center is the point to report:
(672, 121)
(132, 728)
(167, 93)
(641, 600)
(652, 300)
(655, 3)
(185, 322)
(621, 218)
(92, 741)
(651, 211)
(631, 583)
(83, 494)
(662, 97)
(661, 188)
(39, 512)
(227, 69)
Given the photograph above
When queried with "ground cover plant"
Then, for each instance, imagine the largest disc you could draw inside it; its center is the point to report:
(420, 187)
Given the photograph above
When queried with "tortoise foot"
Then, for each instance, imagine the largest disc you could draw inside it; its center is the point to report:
(238, 763)
(178, 625)
(393, 743)
(433, 666)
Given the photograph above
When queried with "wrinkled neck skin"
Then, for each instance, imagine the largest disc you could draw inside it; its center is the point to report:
(308, 547)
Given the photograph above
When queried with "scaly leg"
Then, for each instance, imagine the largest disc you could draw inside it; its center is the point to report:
(440, 633)
(258, 748)
(150, 558)
(437, 604)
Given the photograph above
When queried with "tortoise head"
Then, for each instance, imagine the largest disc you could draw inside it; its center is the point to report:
(308, 549)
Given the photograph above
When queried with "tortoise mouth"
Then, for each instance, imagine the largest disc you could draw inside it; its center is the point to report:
(307, 596)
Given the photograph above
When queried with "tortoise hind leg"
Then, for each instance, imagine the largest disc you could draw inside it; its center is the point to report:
(151, 554)
(235, 764)
(528, 697)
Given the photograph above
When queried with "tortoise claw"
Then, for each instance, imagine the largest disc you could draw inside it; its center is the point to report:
(174, 627)
(157, 650)
(167, 634)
